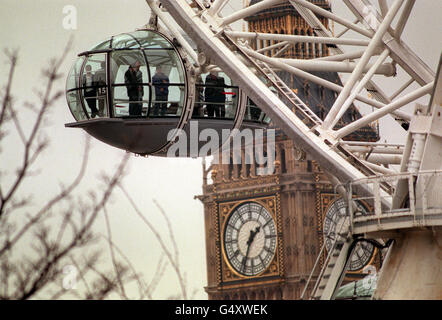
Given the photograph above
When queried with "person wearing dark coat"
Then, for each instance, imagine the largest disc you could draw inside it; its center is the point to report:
(161, 84)
(133, 78)
(214, 93)
(90, 91)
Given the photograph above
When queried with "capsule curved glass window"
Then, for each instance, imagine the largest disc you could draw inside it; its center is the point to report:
(137, 74)
(73, 95)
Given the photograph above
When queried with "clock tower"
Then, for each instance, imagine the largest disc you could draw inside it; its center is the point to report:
(264, 232)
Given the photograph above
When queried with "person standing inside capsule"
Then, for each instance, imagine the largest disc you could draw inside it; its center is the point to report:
(90, 92)
(133, 78)
(161, 83)
(214, 95)
(221, 97)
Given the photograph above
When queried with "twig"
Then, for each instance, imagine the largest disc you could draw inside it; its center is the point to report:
(141, 286)
(47, 100)
(114, 262)
(174, 263)
(77, 239)
(62, 195)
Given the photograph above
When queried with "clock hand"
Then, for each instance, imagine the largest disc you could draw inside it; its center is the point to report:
(244, 261)
(252, 235)
(249, 243)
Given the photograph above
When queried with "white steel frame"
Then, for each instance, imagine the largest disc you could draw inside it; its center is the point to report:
(219, 44)
(377, 50)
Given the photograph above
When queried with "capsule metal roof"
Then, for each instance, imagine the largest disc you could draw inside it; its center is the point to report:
(140, 39)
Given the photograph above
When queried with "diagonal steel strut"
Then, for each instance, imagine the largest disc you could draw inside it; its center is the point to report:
(208, 35)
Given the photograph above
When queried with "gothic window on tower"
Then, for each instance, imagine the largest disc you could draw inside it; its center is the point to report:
(306, 86)
(310, 46)
(306, 49)
(353, 114)
(335, 94)
(324, 50)
(303, 52)
(283, 165)
(265, 157)
(237, 171)
(321, 93)
(248, 166)
(230, 174)
(236, 167)
(317, 50)
(321, 111)
(309, 166)
(248, 159)
(297, 46)
(285, 53)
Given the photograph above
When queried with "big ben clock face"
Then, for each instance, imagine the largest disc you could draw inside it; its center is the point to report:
(250, 239)
(335, 221)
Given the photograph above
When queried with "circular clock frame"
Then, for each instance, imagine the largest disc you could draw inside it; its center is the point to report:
(250, 239)
(334, 220)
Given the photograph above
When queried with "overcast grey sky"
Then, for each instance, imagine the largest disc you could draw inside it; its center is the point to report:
(36, 29)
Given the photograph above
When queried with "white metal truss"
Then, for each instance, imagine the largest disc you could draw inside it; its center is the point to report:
(374, 47)
(334, 267)
(230, 50)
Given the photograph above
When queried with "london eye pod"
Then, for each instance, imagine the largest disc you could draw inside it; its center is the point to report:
(138, 92)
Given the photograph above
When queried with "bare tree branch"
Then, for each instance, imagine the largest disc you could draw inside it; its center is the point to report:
(173, 262)
(158, 275)
(7, 97)
(50, 204)
(81, 237)
(61, 230)
(142, 287)
(47, 100)
(114, 261)
(171, 234)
